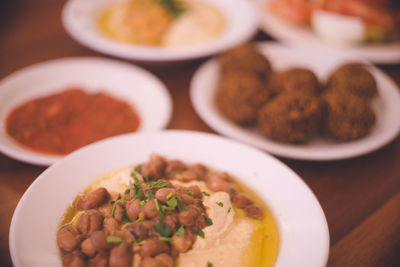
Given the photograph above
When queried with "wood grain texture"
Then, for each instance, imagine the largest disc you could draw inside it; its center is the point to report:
(360, 197)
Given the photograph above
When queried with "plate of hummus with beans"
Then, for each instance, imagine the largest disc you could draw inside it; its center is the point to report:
(151, 199)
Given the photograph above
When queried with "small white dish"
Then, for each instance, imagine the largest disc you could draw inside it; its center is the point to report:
(386, 106)
(304, 235)
(79, 20)
(138, 87)
(387, 53)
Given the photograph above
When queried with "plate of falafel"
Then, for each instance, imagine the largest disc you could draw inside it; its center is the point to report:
(297, 103)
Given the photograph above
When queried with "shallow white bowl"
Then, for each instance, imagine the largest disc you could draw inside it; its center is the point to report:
(386, 106)
(304, 236)
(302, 36)
(79, 20)
(138, 87)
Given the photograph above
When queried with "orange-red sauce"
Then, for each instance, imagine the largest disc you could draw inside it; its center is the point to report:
(62, 122)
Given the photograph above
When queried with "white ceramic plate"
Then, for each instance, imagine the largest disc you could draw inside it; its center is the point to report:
(303, 228)
(79, 19)
(141, 89)
(386, 106)
(305, 37)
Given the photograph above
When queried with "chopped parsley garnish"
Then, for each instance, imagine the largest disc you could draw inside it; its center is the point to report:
(113, 211)
(127, 191)
(157, 185)
(209, 264)
(114, 239)
(206, 194)
(163, 229)
(173, 6)
(209, 221)
(220, 204)
(125, 218)
(150, 195)
(172, 203)
(229, 210)
(165, 239)
(190, 193)
(180, 231)
(200, 233)
(138, 168)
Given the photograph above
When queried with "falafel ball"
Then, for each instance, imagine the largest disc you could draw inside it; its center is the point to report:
(245, 58)
(355, 79)
(291, 117)
(295, 80)
(240, 96)
(346, 117)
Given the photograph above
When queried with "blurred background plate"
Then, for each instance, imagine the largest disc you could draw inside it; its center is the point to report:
(384, 53)
(303, 230)
(386, 106)
(80, 21)
(138, 87)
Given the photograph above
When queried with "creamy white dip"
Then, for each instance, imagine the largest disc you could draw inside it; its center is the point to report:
(198, 24)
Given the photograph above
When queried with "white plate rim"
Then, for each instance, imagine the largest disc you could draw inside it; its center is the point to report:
(203, 105)
(301, 36)
(292, 236)
(14, 150)
(94, 40)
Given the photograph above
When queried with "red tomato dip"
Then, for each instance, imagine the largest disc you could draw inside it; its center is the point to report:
(62, 122)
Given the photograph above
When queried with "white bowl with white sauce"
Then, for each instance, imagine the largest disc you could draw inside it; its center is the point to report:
(80, 20)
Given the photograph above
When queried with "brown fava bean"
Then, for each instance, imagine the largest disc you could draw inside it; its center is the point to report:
(165, 260)
(68, 238)
(200, 170)
(140, 230)
(110, 224)
(188, 217)
(153, 247)
(187, 199)
(242, 200)
(89, 221)
(99, 241)
(99, 261)
(253, 211)
(174, 166)
(171, 220)
(217, 184)
(149, 262)
(163, 193)
(121, 256)
(124, 234)
(119, 211)
(87, 248)
(92, 199)
(155, 167)
(149, 209)
(196, 191)
(133, 209)
(181, 243)
(221, 175)
(186, 176)
(74, 259)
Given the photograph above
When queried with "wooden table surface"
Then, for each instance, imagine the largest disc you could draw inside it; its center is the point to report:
(360, 197)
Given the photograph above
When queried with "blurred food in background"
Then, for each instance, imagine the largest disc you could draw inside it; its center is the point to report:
(293, 105)
(63, 122)
(344, 22)
(170, 23)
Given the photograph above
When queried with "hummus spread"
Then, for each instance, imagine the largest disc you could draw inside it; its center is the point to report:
(233, 239)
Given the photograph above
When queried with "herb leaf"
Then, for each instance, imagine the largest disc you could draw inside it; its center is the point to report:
(180, 231)
(200, 233)
(114, 239)
(163, 229)
(209, 221)
(220, 204)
